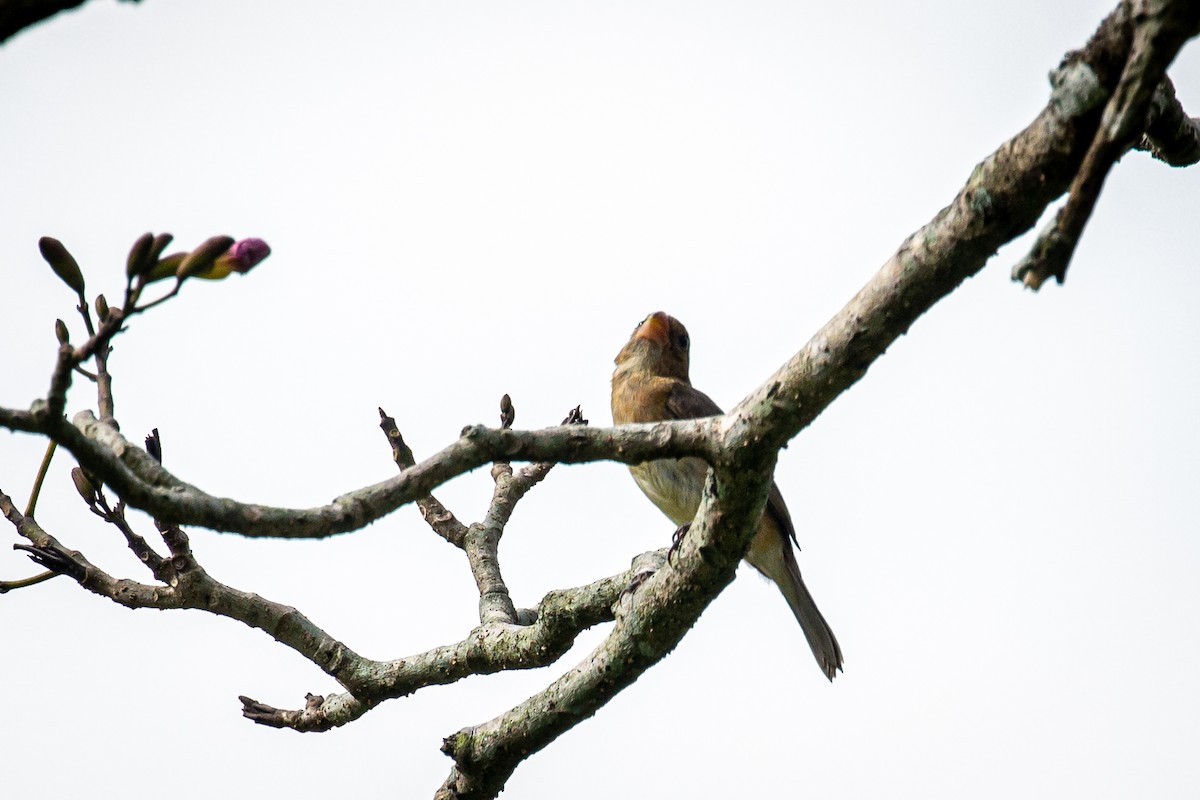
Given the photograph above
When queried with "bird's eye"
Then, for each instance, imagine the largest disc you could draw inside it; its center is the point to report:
(684, 341)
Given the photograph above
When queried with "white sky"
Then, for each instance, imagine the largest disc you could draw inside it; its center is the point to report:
(467, 199)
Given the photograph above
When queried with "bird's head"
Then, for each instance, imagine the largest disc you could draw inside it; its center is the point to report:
(659, 345)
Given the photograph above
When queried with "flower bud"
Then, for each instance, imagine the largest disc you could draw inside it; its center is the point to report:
(507, 412)
(61, 332)
(139, 256)
(101, 307)
(84, 485)
(165, 267)
(62, 262)
(160, 244)
(242, 257)
(203, 257)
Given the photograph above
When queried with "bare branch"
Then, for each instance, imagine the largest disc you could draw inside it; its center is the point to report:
(40, 479)
(34, 580)
(482, 540)
(137, 545)
(47, 551)
(651, 620)
(1171, 135)
(1003, 198)
(1070, 144)
(1160, 28)
(143, 484)
(187, 585)
(440, 519)
(490, 648)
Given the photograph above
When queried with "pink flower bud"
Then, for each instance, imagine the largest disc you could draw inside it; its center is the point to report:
(247, 253)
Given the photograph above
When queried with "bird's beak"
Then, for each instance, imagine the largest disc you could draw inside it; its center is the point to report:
(656, 328)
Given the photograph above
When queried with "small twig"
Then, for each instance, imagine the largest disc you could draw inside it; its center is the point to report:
(192, 587)
(1171, 135)
(86, 313)
(112, 321)
(137, 545)
(440, 519)
(51, 446)
(103, 379)
(104, 394)
(173, 535)
(313, 717)
(54, 558)
(8, 586)
(60, 381)
(159, 301)
(482, 542)
(154, 445)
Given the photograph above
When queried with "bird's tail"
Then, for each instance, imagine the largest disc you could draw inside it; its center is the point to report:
(779, 564)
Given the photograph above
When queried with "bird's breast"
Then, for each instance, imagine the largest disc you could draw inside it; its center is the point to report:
(674, 485)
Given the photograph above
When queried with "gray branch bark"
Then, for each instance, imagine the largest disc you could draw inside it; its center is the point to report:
(652, 605)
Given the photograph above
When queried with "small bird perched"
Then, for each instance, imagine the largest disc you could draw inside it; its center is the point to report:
(651, 384)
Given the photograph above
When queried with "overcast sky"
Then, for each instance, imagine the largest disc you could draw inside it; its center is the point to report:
(467, 199)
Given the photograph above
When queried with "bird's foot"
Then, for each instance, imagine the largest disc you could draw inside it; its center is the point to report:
(677, 539)
(636, 582)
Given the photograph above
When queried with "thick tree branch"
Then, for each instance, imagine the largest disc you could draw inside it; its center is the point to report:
(1160, 28)
(493, 647)
(144, 484)
(545, 634)
(1003, 198)
(1099, 99)
(651, 620)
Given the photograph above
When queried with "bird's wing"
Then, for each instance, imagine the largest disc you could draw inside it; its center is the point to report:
(777, 510)
(687, 402)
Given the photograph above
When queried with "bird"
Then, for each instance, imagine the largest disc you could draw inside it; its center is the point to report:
(651, 384)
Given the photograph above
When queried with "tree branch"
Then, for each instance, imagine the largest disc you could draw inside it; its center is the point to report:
(439, 518)
(144, 484)
(1098, 96)
(1160, 28)
(547, 631)
(187, 585)
(1171, 135)
(493, 647)
(482, 539)
(653, 617)
(1003, 198)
